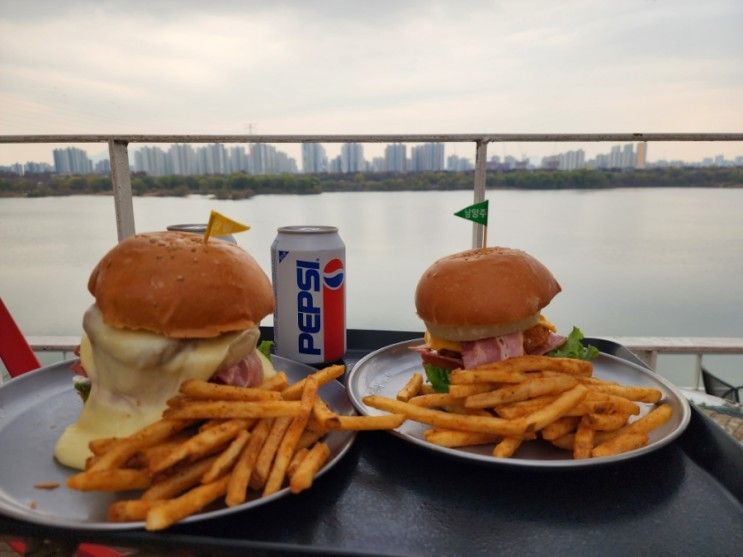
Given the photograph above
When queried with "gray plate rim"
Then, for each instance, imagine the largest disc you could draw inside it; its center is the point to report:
(19, 510)
(352, 389)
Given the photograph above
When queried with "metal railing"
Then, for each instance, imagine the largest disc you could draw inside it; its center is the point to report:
(648, 348)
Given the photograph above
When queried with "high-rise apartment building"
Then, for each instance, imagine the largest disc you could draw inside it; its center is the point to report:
(352, 157)
(314, 159)
(72, 160)
(395, 157)
(641, 155)
(427, 157)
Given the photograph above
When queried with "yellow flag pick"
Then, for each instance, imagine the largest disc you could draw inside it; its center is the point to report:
(219, 225)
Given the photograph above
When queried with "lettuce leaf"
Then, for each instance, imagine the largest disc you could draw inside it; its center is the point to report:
(438, 377)
(265, 348)
(574, 347)
(82, 386)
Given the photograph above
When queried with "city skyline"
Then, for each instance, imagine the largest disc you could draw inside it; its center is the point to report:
(437, 67)
(260, 159)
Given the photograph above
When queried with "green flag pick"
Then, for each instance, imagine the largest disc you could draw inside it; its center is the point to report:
(476, 213)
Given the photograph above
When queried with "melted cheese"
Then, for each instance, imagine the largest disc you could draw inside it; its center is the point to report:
(547, 324)
(435, 343)
(134, 373)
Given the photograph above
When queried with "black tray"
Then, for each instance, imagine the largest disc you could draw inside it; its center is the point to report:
(388, 497)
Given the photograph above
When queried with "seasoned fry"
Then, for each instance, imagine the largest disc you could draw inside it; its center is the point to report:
(305, 473)
(180, 480)
(240, 477)
(464, 390)
(325, 375)
(130, 511)
(452, 438)
(435, 400)
(522, 391)
(583, 440)
(565, 442)
(641, 394)
(473, 376)
(234, 409)
(120, 479)
(411, 388)
(308, 438)
(201, 444)
(507, 447)
(483, 424)
(296, 459)
(203, 390)
(163, 515)
(268, 452)
(100, 446)
(605, 422)
(652, 420)
(145, 437)
(521, 408)
(289, 441)
(560, 427)
(324, 415)
(620, 444)
(557, 409)
(227, 459)
(522, 364)
(360, 423)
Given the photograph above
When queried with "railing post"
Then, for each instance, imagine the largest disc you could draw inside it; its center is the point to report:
(481, 155)
(122, 188)
(698, 371)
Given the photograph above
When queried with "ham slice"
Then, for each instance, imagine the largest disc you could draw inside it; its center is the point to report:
(248, 372)
(554, 341)
(493, 349)
(438, 358)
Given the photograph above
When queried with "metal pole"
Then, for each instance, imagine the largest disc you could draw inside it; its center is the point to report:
(122, 188)
(481, 155)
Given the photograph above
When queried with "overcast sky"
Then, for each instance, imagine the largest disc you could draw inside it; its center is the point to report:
(297, 67)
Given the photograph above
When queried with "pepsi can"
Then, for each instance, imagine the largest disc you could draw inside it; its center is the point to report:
(308, 267)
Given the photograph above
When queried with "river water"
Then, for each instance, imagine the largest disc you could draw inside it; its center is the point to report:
(631, 262)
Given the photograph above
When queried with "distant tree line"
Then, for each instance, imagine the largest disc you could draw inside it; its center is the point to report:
(241, 185)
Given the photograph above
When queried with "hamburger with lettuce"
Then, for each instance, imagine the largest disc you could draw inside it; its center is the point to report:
(484, 305)
(168, 307)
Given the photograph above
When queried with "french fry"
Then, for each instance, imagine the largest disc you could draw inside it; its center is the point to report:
(201, 444)
(640, 394)
(241, 473)
(124, 449)
(167, 513)
(100, 446)
(308, 438)
(132, 510)
(527, 389)
(605, 422)
(583, 440)
(227, 459)
(289, 441)
(229, 409)
(557, 409)
(120, 479)
(203, 390)
(507, 447)
(565, 442)
(411, 388)
(268, 452)
(180, 480)
(521, 408)
(296, 459)
(483, 424)
(305, 473)
(427, 389)
(325, 375)
(452, 438)
(278, 382)
(464, 390)
(523, 364)
(472, 376)
(368, 423)
(435, 400)
(620, 444)
(324, 415)
(650, 421)
(560, 427)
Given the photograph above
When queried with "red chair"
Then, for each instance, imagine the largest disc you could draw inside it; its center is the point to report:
(15, 352)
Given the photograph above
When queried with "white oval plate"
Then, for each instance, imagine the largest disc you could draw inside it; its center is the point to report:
(385, 371)
(34, 410)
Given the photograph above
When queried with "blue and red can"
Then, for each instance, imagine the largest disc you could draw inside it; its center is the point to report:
(308, 267)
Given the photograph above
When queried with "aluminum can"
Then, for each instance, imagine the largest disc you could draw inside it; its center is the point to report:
(308, 268)
(198, 229)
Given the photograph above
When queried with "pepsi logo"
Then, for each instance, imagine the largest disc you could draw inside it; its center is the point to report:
(332, 274)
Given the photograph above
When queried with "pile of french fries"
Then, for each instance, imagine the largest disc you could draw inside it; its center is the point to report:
(531, 397)
(220, 441)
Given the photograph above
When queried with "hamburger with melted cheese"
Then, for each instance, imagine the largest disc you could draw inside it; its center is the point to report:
(481, 306)
(168, 307)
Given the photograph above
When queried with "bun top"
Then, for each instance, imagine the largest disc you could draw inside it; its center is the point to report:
(483, 292)
(174, 284)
